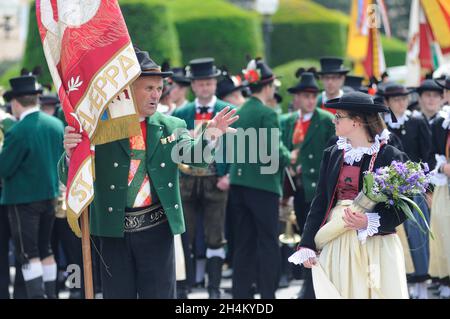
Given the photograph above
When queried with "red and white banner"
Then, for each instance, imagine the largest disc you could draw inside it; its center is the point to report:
(92, 63)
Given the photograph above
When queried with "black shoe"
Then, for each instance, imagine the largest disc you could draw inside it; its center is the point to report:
(214, 293)
(35, 288)
(50, 289)
(284, 282)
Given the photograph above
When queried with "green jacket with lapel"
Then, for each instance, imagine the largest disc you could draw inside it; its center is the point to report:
(187, 113)
(255, 115)
(28, 159)
(112, 164)
(316, 140)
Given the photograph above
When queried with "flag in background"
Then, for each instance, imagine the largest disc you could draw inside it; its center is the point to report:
(92, 63)
(364, 46)
(428, 38)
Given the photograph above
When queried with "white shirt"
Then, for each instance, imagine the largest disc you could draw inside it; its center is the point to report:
(305, 117)
(210, 104)
(28, 112)
(325, 98)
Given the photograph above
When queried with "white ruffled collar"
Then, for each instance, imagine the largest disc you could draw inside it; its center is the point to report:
(352, 155)
(400, 120)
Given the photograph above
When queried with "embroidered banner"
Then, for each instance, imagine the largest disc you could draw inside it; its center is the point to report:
(92, 63)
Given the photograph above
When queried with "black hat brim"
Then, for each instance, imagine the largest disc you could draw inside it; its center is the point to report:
(358, 107)
(388, 95)
(294, 90)
(154, 73)
(420, 90)
(204, 77)
(181, 80)
(340, 71)
(442, 84)
(9, 95)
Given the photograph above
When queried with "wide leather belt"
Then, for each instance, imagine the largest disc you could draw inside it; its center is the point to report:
(141, 219)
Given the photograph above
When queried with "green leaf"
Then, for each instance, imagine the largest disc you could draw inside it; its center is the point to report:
(404, 201)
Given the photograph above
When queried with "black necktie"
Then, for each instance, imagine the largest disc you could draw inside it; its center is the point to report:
(203, 109)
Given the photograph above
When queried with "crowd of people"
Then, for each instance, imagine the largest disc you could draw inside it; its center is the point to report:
(161, 227)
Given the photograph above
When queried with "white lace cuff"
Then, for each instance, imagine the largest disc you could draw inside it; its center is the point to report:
(373, 222)
(437, 178)
(302, 255)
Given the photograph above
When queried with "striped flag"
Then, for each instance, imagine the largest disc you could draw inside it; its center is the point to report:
(364, 46)
(92, 63)
(428, 38)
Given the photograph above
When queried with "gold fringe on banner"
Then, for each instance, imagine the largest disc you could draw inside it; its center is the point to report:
(116, 129)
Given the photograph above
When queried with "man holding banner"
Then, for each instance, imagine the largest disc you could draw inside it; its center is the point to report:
(136, 206)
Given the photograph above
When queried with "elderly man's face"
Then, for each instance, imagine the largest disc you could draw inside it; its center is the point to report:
(147, 91)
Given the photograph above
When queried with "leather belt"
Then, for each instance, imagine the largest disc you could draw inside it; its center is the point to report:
(141, 219)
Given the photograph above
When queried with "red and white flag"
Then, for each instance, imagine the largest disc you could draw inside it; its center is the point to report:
(92, 63)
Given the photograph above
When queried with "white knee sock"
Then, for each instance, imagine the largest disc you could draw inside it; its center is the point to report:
(219, 252)
(50, 272)
(32, 270)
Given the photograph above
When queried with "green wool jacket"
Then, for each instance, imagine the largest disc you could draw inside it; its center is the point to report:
(255, 115)
(29, 158)
(187, 113)
(112, 165)
(316, 140)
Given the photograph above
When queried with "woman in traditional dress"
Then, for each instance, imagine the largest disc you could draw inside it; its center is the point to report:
(440, 212)
(354, 254)
(414, 134)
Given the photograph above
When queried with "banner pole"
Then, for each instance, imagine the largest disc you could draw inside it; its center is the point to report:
(87, 259)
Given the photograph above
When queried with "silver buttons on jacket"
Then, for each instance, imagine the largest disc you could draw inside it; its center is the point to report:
(170, 185)
(312, 170)
(313, 184)
(310, 156)
(110, 209)
(176, 206)
(116, 165)
(112, 187)
(239, 172)
(163, 165)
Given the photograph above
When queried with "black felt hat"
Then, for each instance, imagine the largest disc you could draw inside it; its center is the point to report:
(444, 82)
(179, 76)
(258, 72)
(49, 99)
(22, 85)
(229, 84)
(148, 66)
(307, 83)
(357, 101)
(202, 68)
(355, 83)
(392, 89)
(429, 85)
(332, 65)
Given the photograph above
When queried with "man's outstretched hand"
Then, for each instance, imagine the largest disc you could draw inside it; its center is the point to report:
(220, 124)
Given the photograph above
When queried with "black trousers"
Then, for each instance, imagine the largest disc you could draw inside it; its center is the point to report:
(5, 235)
(31, 227)
(140, 265)
(256, 248)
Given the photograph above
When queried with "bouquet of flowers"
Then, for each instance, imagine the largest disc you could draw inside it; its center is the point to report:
(395, 185)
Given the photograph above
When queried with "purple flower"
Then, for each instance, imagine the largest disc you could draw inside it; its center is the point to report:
(391, 202)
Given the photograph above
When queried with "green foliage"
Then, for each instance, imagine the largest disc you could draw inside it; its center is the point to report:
(34, 53)
(11, 72)
(306, 30)
(149, 23)
(151, 28)
(218, 29)
(288, 79)
(394, 51)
